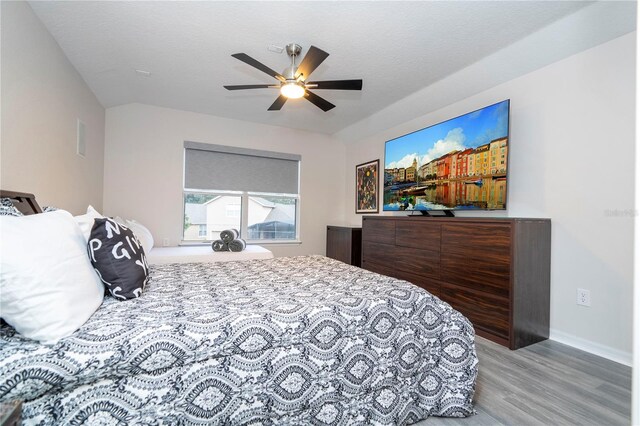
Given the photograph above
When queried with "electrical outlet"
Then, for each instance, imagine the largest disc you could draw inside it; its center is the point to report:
(583, 297)
(165, 242)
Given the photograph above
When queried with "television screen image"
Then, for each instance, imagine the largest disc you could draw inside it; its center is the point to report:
(459, 164)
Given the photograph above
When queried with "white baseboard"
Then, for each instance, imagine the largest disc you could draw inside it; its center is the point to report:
(608, 352)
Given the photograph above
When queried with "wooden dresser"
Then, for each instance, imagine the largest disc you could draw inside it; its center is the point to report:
(495, 271)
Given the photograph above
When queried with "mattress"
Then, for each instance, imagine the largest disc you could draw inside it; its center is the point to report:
(283, 341)
(204, 253)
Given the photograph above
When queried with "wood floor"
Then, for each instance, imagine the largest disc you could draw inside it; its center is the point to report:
(546, 384)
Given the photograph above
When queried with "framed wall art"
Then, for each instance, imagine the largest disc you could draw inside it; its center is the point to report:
(367, 187)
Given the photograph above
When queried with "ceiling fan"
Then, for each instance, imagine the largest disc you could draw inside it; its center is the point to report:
(293, 82)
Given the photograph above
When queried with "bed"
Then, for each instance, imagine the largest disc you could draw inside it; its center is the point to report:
(294, 340)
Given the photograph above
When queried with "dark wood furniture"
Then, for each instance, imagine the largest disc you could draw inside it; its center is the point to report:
(10, 413)
(344, 244)
(23, 201)
(494, 271)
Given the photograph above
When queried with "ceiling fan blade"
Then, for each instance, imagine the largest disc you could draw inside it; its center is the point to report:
(312, 59)
(337, 84)
(321, 103)
(277, 105)
(250, 86)
(259, 65)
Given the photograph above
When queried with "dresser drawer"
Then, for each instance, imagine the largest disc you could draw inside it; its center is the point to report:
(477, 241)
(487, 312)
(431, 285)
(379, 231)
(424, 237)
(416, 261)
(378, 268)
(419, 262)
(378, 253)
(492, 276)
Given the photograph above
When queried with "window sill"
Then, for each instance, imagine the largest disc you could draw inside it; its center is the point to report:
(249, 242)
(269, 242)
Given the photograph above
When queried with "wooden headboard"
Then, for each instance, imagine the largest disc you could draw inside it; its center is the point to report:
(24, 202)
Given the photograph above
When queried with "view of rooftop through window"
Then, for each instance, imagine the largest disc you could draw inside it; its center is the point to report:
(269, 217)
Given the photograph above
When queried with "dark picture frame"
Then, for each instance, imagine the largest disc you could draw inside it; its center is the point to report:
(367, 183)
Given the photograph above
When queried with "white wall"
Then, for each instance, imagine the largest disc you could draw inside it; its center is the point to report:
(635, 384)
(143, 172)
(42, 98)
(571, 160)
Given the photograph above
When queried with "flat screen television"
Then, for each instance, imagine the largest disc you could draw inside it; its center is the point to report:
(459, 164)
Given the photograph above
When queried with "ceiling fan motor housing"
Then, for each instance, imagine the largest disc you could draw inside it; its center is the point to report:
(293, 49)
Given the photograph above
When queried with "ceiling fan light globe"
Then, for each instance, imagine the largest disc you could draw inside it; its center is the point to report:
(292, 90)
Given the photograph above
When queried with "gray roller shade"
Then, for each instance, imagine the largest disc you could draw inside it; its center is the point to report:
(218, 167)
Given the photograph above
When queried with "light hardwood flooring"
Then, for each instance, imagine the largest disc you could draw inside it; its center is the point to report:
(546, 384)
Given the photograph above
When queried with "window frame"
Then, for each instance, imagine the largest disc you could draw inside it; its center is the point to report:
(244, 215)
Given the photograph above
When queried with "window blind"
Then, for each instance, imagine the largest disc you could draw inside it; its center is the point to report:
(219, 167)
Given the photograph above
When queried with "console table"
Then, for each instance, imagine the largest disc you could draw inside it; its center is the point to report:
(494, 271)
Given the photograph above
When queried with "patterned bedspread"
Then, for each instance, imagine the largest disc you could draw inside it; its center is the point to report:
(298, 340)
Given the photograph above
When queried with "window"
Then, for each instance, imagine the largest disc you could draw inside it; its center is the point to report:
(272, 217)
(232, 210)
(204, 211)
(253, 191)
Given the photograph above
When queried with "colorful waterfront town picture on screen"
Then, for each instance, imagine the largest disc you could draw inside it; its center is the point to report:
(459, 164)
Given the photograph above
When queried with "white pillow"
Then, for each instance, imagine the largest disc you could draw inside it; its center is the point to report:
(120, 220)
(85, 221)
(143, 234)
(48, 287)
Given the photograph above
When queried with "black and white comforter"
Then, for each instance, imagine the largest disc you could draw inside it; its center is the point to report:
(302, 340)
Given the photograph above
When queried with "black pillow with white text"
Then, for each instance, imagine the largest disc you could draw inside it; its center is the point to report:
(119, 259)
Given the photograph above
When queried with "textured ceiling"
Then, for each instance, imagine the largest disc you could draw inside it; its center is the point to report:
(395, 47)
